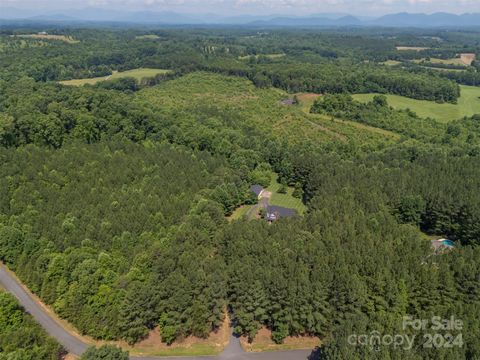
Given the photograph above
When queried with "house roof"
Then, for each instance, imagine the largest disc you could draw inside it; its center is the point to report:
(281, 211)
(257, 189)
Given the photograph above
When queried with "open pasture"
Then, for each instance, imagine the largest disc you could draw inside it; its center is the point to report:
(137, 74)
(64, 38)
(147, 37)
(411, 48)
(453, 61)
(269, 56)
(468, 105)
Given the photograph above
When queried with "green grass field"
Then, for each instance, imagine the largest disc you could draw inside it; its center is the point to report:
(391, 62)
(269, 56)
(67, 39)
(411, 48)
(443, 69)
(239, 212)
(453, 61)
(137, 74)
(285, 200)
(468, 105)
(147, 37)
(194, 350)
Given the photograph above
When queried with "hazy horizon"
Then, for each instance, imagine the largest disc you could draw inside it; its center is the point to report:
(255, 7)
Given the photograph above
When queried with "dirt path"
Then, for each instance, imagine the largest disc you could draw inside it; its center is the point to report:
(254, 210)
(319, 127)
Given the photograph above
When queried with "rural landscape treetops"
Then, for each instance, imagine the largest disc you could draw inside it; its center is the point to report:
(161, 187)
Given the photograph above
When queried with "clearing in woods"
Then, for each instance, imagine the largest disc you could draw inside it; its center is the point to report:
(269, 56)
(306, 101)
(411, 48)
(250, 106)
(67, 39)
(147, 37)
(459, 61)
(137, 74)
(467, 59)
(391, 62)
(468, 105)
(464, 60)
(239, 212)
(285, 200)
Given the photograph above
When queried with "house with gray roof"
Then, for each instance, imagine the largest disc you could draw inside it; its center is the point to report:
(257, 189)
(277, 212)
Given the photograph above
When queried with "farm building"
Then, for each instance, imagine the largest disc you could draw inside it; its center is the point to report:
(277, 212)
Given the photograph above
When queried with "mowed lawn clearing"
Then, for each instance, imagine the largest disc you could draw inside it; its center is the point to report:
(137, 74)
(468, 105)
(239, 212)
(285, 200)
(452, 61)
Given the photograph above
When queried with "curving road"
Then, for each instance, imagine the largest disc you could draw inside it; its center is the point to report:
(76, 346)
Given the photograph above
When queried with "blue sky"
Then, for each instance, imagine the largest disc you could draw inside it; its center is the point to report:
(262, 7)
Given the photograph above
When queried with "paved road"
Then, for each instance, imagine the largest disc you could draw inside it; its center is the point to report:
(235, 352)
(70, 342)
(76, 346)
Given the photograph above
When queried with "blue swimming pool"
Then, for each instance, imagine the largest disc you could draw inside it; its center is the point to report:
(448, 243)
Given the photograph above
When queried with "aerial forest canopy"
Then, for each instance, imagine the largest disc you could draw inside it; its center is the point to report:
(117, 197)
(311, 64)
(21, 337)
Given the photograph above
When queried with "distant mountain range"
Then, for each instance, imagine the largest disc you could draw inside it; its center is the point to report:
(94, 15)
(433, 20)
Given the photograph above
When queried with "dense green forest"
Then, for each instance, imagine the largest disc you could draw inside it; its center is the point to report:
(21, 337)
(316, 62)
(114, 196)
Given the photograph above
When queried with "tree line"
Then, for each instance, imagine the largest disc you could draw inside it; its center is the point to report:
(21, 337)
(113, 204)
